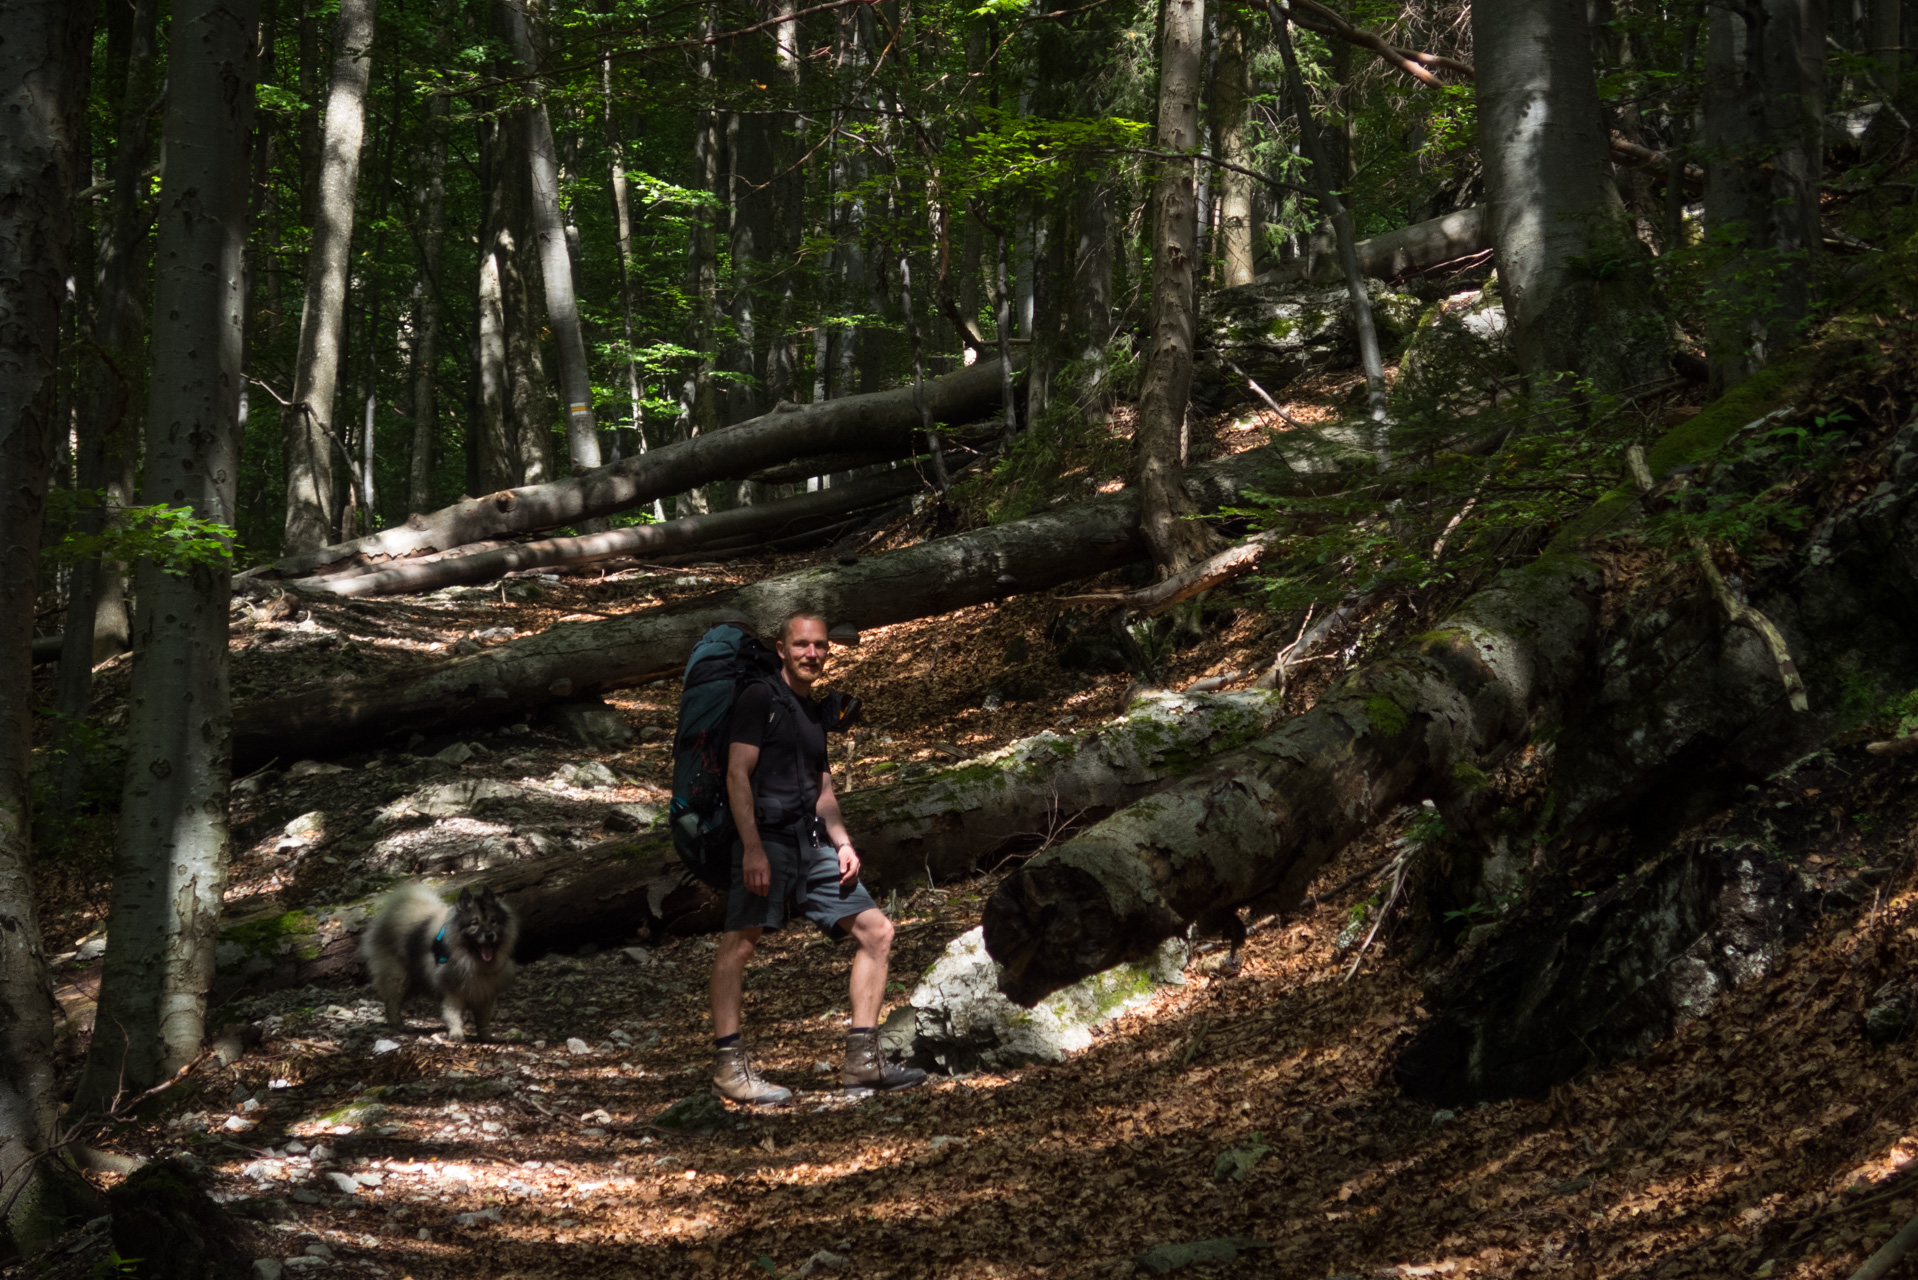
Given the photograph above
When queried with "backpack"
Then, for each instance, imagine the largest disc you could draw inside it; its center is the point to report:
(726, 660)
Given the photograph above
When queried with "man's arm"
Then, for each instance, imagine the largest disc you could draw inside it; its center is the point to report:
(755, 868)
(828, 811)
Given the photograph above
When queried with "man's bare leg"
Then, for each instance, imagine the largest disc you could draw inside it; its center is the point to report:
(866, 1067)
(873, 932)
(729, 977)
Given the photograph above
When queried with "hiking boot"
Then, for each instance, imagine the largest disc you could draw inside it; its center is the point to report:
(734, 1078)
(866, 1067)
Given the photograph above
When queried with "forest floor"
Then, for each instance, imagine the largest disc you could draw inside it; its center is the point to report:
(1254, 1109)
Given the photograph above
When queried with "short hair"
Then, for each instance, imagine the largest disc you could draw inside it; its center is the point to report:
(804, 615)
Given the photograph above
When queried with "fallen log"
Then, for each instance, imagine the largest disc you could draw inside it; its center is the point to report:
(572, 659)
(1426, 723)
(758, 523)
(978, 813)
(879, 421)
(1259, 822)
(1211, 572)
(1407, 251)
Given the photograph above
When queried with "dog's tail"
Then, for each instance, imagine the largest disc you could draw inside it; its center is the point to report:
(383, 945)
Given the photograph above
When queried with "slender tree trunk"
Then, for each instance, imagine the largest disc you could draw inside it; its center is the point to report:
(699, 405)
(96, 600)
(170, 861)
(1325, 180)
(623, 228)
(370, 348)
(1092, 272)
(312, 54)
(1159, 444)
(529, 400)
(43, 91)
(1764, 112)
(549, 229)
(1887, 42)
(1554, 209)
(309, 424)
(431, 196)
(1229, 91)
(495, 455)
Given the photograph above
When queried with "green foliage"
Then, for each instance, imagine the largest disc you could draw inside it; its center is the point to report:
(171, 538)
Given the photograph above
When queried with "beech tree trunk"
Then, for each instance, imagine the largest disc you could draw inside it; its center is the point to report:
(170, 857)
(1764, 146)
(572, 659)
(1554, 209)
(973, 814)
(308, 426)
(530, 407)
(1259, 822)
(96, 627)
(769, 520)
(883, 421)
(1159, 443)
(549, 230)
(431, 195)
(43, 91)
(1408, 250)
(493, 453)
(699, 405)
(1229, 88)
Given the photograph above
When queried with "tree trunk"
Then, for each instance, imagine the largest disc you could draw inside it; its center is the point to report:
(170, 858)
(1159, 444)
(935, 577)
(699, 406)
(769, 520)
(1566, 257)
(308, 424)
(1326, 180)
(884, 421)
(1887, 42)
(530, 407)
(43, 84)
(431, 196)
(1259, 822)
(1092, 276)
(549, 229)
(623, 229)
(494, 452)
(1229, 89)
(975, 814)
(1764, 114)
(97, 592)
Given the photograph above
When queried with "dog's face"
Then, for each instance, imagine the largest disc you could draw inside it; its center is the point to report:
(481, 922)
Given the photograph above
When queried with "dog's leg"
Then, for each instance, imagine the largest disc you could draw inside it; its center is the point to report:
(482, 1017)
(455, 1015)
(392, 989)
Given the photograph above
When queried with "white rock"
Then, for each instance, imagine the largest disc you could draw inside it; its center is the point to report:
(458, 753)
(313, 768)
(575, 1045)
(308, 826)
(267, 1269)
(385, 1046)
(344, 1183)
(237, 1124)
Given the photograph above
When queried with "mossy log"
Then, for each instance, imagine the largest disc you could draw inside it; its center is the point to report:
(882, 422)
(1012, 801)
(1257, 823)
(573, 659)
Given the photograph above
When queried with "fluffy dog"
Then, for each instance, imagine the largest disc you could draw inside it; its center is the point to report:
(462, 954)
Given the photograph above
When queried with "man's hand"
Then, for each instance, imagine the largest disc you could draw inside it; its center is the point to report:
(848, 866)
(757, 871)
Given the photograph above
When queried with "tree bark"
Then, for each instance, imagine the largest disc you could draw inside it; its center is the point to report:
(769, 520)
(623, 229)
(549, 230)
(699, 407)
(1763, 139)
(494, 452)
(971, 815)
(305, 434)
(1567, 261)
(97, 591)
(43, 86)
(530, 407)
(1326, 180)
(1159, 443)
(170, 858)
(1259, 822)
(431, 196)
(1015, 558)
(882, 421)
(1229, 89)
(1887, 42)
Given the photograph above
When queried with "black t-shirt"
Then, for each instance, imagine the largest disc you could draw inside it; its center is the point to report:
(792, 749)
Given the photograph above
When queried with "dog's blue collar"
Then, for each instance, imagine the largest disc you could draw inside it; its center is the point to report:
(440, 952)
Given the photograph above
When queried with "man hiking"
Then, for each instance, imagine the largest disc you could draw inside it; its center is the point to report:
(792, 856)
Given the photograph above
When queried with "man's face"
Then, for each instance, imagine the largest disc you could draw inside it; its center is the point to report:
(804, 650)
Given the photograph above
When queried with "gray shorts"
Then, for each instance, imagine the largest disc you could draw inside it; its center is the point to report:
(805, 883)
